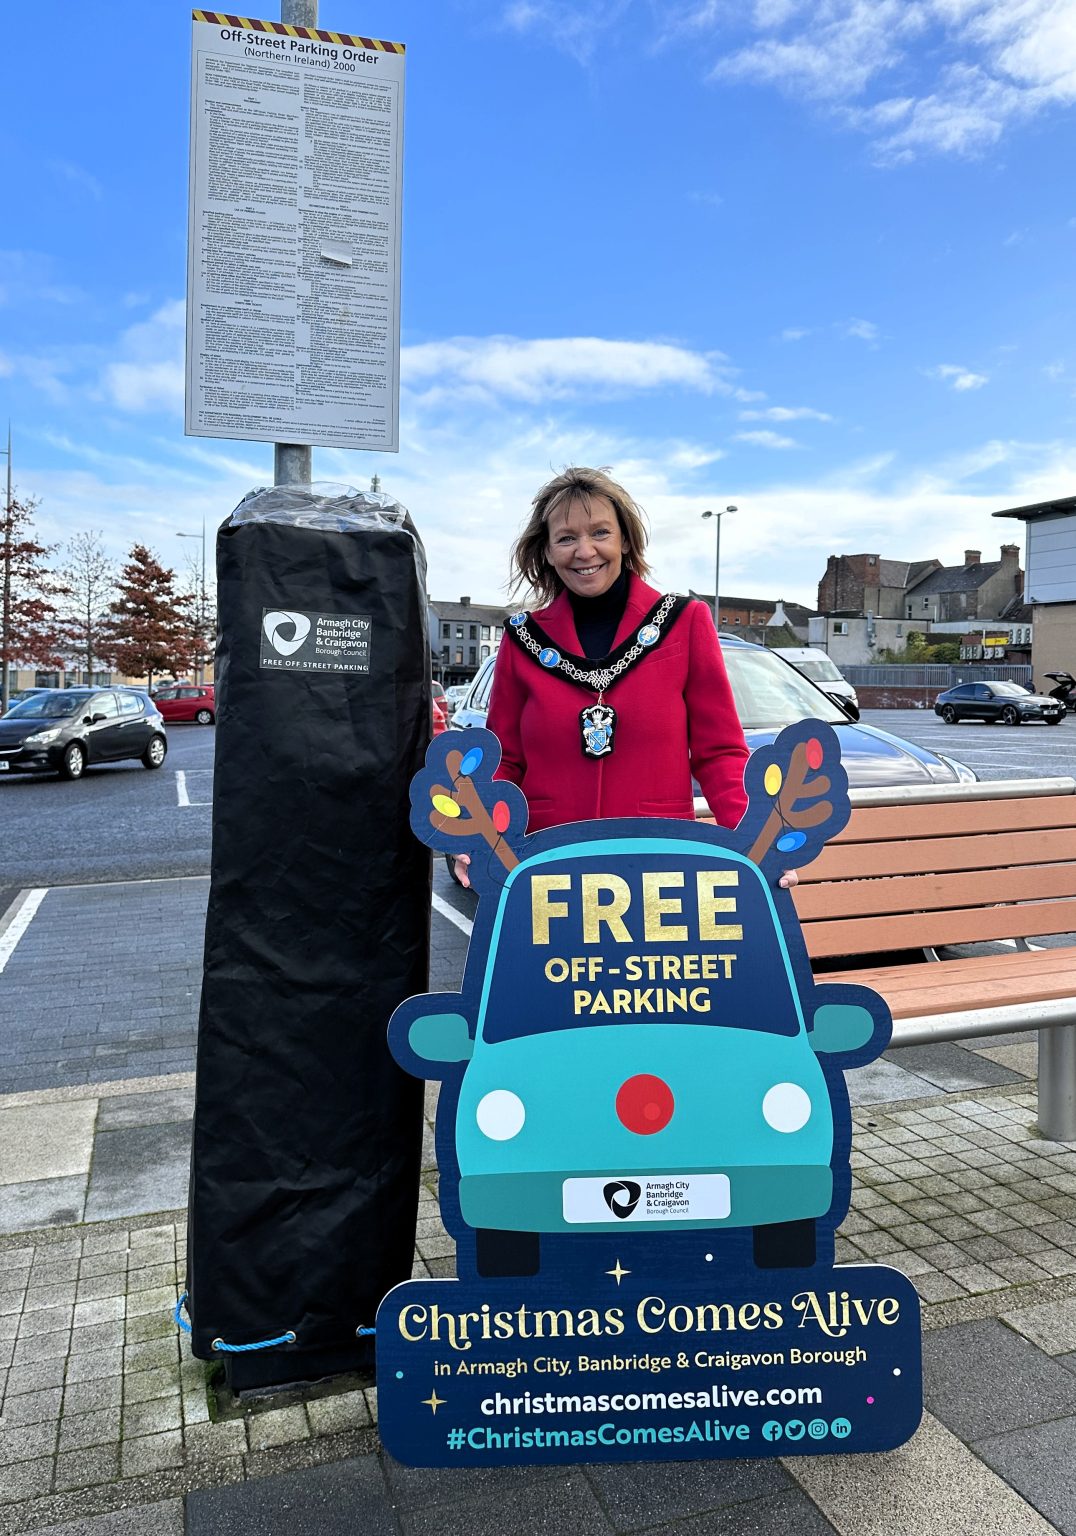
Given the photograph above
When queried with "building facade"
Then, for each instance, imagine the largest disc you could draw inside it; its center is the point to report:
(462, 635)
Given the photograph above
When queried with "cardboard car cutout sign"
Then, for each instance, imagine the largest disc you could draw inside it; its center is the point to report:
(643, 1137)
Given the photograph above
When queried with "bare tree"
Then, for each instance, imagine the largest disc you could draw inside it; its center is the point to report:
(90, 579)
(29, 630)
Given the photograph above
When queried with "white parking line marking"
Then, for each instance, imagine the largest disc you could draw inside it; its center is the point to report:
(464, 924)
(17, 919)
(181, 787)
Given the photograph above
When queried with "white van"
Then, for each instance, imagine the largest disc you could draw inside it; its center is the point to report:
(820, 668)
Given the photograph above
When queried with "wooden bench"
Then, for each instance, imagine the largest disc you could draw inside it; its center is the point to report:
(919, 871)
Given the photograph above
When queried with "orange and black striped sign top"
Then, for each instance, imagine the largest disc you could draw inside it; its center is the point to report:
(281, 29)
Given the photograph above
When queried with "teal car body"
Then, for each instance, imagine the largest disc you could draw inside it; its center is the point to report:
(597, 1090)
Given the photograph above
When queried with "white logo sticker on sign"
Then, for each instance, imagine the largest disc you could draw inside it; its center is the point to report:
(272, 623)
(655, 1197)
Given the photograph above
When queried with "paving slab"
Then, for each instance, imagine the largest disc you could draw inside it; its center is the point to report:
(1022, 1059)
(785, 1514)
(139, 1170)
(932, 1484)
(162, 1519)
(949, 1066)
(551, 1507)
(982, 1379)
(1052, 1325)
(882, 1081)
(344, 1498)
(637, 1495)
(39, 1141)
(1040, 1463)
(42, 1203)
(121, 1111)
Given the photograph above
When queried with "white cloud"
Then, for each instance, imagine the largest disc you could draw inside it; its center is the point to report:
(958, 378)
(149, 374)
(786, 413)
(968, 69)
(78, 176)
(795, 333)
(765, 439)
(509, 367)
(860, 330)
(574, 27)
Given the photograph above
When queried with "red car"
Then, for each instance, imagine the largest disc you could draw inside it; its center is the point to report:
(188, 701)
(440, 718)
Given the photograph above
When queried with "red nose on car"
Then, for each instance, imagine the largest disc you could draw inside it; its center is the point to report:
(645, 1104)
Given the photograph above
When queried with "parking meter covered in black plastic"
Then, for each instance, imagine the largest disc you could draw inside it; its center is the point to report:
(307, 1135)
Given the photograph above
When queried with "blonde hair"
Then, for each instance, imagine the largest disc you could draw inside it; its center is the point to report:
(529, 566)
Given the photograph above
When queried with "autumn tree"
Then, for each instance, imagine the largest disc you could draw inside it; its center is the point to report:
(29, 624)
(89, 577)
(148, 628)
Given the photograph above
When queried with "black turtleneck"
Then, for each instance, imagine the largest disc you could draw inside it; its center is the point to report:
(597, 618)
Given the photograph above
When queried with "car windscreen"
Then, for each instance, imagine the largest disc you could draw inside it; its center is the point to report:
(770, 693)
(48, 706)
(819, 671)
(637, 939)
(1009, 691)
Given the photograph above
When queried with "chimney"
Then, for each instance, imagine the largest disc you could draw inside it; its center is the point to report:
(465, 602)
(972, 556)
(1010, 554)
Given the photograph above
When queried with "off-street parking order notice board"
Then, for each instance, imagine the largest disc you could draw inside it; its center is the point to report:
(293, 282)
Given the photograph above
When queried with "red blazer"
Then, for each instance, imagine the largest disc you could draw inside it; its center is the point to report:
(675, 717)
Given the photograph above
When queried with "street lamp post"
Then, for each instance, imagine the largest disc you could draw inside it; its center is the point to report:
(201, 603)
(717, 563)
(5, 615)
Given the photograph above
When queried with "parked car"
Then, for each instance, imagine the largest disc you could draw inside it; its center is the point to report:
(770, 693)
(188, 701)
(456, 694)
(440, 716)
(1008, 702)
(821, 669)
(68, 729)
(24, 693)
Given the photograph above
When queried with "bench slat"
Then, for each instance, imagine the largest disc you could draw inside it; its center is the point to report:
(854, 861)
(877, 935)
(933, 893)
(962, 985)
(883, 823)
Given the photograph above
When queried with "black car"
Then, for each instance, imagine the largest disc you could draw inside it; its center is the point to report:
(1007, 702)
(66, 729)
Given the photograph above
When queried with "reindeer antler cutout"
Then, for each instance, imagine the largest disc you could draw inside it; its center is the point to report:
(458, 807)
(798, 794)
(447, 807)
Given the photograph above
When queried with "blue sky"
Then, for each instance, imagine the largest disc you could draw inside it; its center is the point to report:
(814, 259)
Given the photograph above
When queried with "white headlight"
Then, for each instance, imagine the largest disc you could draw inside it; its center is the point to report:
(39, 738)
(500, 1115)
(787, 1107)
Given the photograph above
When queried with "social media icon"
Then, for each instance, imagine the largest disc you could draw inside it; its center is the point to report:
(771, 1430)
(841, 1428)
(795, 1429)
(818, 1429)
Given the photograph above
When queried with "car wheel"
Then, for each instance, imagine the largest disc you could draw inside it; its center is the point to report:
(73, 762)
(949, 715)
(154, 754)
(204, 717)
(785, 1245)
(502, 1254)
(1010, 715)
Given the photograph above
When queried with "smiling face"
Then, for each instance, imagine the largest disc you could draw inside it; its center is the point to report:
(586, 548)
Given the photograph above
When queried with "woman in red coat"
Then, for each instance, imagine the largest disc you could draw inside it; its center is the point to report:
(609, 697)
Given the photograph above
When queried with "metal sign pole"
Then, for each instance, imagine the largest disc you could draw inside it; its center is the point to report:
(293, 463)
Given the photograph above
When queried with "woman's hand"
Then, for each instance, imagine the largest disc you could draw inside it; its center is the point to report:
(461, 867)
(788, 880)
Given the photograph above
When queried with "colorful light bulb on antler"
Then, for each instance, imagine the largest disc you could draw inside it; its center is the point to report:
(458, 807)
(803, 793)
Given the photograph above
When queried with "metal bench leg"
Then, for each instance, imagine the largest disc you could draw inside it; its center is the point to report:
(1057, 1082)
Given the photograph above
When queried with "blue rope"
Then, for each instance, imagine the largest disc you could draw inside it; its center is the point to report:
(242, 1349)
(219, 1344)
(365, 1333)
